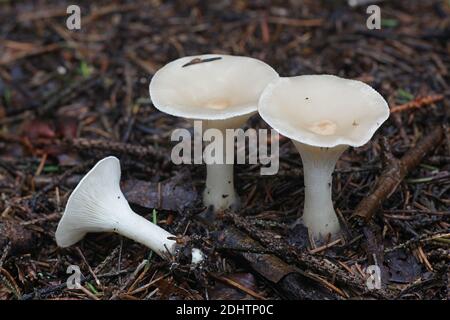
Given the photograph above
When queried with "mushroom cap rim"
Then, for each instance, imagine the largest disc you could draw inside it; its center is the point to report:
(340, 140)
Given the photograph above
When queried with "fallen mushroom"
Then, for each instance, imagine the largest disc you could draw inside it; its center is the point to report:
(220, 90)
(322, 115)
(98, 205)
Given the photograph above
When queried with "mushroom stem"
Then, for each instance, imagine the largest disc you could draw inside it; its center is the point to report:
(219, 191)
(318, 165)
(147, 233)
(98, 205)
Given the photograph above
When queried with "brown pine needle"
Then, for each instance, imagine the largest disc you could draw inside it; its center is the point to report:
(424, 259)
(327, 284)
(417, 103)
(237, 286)
(324, 247)
(88, 293)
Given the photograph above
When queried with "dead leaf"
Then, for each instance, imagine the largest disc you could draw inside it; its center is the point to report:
(402, 267)
(174, 194)
(36, 128)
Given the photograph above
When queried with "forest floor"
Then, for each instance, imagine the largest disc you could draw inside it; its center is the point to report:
(66, 96)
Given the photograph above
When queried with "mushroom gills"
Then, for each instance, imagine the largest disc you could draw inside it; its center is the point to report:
(98, 205)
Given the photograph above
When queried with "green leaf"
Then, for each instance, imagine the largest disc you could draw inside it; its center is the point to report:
(7, 95)
(420, 180)
(51, 168)
(389, 23)
(404, 95)
(92, 288)
(155, 221)
(155, 217)
(85, 69)
(427, 166)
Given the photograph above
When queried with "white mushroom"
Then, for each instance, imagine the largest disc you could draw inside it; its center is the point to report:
(98, 205)
(223, 92)
(322, 115)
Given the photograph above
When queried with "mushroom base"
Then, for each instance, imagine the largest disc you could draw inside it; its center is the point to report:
(219, 192)
(321, 219)
(318, 213)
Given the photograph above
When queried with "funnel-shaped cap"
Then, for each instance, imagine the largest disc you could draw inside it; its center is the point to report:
(323, 110)
(210, 86)
(96, 205)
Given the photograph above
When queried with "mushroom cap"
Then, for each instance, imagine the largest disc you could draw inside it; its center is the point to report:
(323, 110)
(95, 205)
(219, 89)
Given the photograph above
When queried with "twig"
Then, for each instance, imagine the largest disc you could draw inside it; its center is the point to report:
(424, 259)
(109, 9)
(118, 147)
(69, 92)
(89, 266)
(131, 279)
(290, 280)
(88, 293)
(439, 275)
(417, 240)
(237, 286)
(57, 181)
(296, 22)
(324, 247)
(5, 253)
(45, 13)
(134, 278)
(417, 103)
(9, 281)
(304, 259)
(42, 293)
(394, 174)
(144, 287)
(146, 65)
(107, 260)
(327, 284)
(51, 217)
(25, 54)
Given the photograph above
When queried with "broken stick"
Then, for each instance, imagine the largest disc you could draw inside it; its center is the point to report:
(292, 282)
(394, 174)
(305, 260)
(417, 103)
(119, 147)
